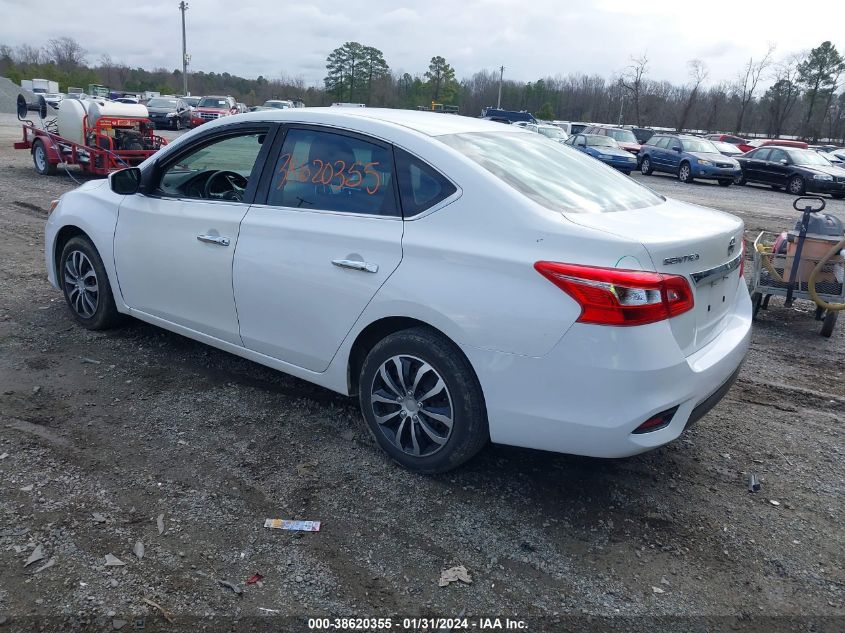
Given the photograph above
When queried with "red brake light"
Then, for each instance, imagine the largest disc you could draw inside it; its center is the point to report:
(612, 296)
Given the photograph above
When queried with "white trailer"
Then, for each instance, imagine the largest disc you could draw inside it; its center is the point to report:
(40, 86)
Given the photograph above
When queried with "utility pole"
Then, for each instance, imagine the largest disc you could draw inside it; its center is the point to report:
(621, 102)
(183, 6)
(499, 100)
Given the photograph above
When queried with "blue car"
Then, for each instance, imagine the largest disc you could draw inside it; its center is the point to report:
(605, 149)
(688, 157)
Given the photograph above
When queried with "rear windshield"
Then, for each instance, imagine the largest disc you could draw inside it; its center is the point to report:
(624, 136)
(551, 174)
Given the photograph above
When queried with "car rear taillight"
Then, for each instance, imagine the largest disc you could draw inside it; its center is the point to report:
(612, 296)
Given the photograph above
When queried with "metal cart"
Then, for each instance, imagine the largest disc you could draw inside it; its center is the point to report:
(786, 274)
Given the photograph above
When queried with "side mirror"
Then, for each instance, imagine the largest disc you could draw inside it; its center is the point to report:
(783, 161)
(677, 148)
(126, 181)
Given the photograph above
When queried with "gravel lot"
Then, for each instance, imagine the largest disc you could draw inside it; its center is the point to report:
(104, 432)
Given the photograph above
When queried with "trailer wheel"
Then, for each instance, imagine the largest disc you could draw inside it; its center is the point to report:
(829, 323)
(39, 157)
(756, 302)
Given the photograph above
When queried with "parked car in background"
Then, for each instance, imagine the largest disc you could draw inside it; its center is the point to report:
(826, 151)
(171, 113)
(741, 143)
(642, 134)
(688, 157)
(276, 104)
(53, 99)
(549, 131)
(625, 138)
(211, 108)
(603, 337)
(192, 102)
(799, 171)
(781, 142)
(727, 149)
(605, 149)
(242, 108)
(129, 100)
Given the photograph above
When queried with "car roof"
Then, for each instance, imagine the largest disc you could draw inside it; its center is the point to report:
(428, 123)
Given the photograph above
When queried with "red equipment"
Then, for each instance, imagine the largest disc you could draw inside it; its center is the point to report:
(114, 142)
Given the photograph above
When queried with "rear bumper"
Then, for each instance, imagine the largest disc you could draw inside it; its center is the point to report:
(598, 384)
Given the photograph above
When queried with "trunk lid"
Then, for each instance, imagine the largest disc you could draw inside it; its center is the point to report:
(699, 243)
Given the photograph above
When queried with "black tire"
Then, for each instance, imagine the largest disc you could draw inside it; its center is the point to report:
(645, 166)
(796, 186)
(740, 180)
(178, 123)
(39, 159)
(627, 173)
(725, 183)
(756, 302)
(829, 323)
(71, 266)
(461, 398)
(685, 173)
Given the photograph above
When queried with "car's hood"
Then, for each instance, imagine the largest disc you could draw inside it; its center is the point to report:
(710, 156)
(830, 170)
(612, 151)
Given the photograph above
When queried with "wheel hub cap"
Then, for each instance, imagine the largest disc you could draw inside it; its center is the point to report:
(80, 282)
(412, 405)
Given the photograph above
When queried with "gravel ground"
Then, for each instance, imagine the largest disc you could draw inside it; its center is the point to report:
(104, 432)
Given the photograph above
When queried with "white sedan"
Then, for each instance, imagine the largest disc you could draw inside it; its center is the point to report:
(467, 281)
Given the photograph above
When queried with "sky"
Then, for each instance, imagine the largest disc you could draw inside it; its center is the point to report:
(532, 39)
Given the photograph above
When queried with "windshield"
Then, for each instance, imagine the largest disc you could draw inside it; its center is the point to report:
(282, 105)
(726, 147)
(161, 103)
(213, 102)
(807, 157)
(698, 145)
(601, 141)
(624, 136)
(558, 177)
(191, 101)
(553, 132)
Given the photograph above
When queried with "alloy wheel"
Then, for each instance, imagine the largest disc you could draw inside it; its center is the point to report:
(412, 405)
(80, 281)
(796, 185)
(684, 172)
(646, 166)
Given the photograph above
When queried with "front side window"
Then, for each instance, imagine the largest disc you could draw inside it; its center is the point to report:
(333, 172)
(420, 185)
(219, 170)
(761, 154)
(550, 174)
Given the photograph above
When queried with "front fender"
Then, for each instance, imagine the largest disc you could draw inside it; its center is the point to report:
(93, 210)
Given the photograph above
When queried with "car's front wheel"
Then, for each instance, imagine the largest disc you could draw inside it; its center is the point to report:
(685, 173)
(422, 401)
(645, 166)
(796, 186)
(85, 285)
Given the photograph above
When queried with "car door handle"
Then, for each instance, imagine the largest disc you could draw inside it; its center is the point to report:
(214, 239)
(354, 264)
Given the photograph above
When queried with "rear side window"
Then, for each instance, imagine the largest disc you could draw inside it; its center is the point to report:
(420, 185)
(333, 172)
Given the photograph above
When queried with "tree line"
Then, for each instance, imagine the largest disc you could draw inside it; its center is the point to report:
(802, 97)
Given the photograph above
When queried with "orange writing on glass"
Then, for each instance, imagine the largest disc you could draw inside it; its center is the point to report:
(372, 172)
(330, 173)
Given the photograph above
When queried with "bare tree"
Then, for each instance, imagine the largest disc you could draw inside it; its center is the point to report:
(783, 94)
(27, 54)
(698, 74)
(66, 53)
(747, 82)
(632, 80)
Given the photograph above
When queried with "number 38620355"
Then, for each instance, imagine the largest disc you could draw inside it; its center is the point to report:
(326, 172)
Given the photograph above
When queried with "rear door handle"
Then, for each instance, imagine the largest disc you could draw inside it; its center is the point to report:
(214, 239)
(354, 264)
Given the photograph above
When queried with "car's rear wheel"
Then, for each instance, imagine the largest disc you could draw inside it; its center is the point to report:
(796, 186)
(685, 173)
(725, 183)
(645, 166)
(739, 180)
(829, 323)
(422, 401)
(39, 159)
(85, 285)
